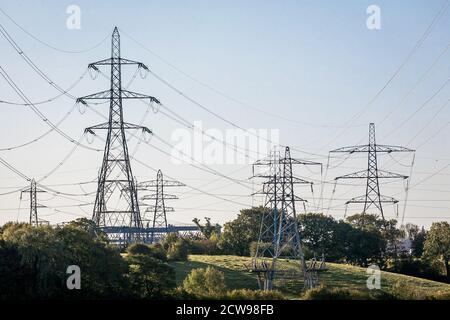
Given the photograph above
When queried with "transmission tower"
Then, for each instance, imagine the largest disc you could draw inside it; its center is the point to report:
(116, 202)
(372, 174)
(279, 235)
(160, 209)
(33, 191)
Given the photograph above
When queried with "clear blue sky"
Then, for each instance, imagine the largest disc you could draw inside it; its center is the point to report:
(314, 62)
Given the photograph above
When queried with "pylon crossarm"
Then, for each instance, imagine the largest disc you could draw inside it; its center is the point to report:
(125, 126)
(155, 196)
(390, 175)
(143, 185)
(296, 180)
(303, 162)
(351, 149)
(105, 95)
(354, 175)
(152, 208)
(134, 95)
(389, 149)
(122, 61)
(362, 199)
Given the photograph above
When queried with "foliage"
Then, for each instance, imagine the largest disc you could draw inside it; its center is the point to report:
(204, 246)
(247, 294)
(155, 250)
(325, 293)
(416, 267)
(43, 255)
(208, 282)
(241, 232)
(318, 233)
(208, 229)
(437, 244)
(418, 242)
(149, 277)
(178, 250)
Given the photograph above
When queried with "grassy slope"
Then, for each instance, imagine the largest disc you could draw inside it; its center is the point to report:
(338, 275)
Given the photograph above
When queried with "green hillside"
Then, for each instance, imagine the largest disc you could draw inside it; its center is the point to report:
(338, 276)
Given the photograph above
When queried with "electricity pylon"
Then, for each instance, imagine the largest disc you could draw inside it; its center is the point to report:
(372, 174)
(34, 205)
(160, 209)
(279, 235)
(114, 207)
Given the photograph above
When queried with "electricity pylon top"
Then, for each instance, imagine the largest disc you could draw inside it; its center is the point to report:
(372, 174)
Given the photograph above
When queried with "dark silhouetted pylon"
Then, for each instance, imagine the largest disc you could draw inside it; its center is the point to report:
(116, 202)
(34, 205)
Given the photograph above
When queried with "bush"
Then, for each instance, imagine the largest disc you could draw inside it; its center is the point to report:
(178, 250)
(324, 293)
(204, 246)
(138, 248)
(247, 294)
(149, 277)
(418, 268)
(404, 291)
(208, 282)
(155, 251)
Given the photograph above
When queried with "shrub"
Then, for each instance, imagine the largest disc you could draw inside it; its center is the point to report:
(155, 251)
(247, 294)
(138, 248)
(208, 282)
(149, 277)
(404, 291)
(417, 267)
(178, 250)
(204, 246)
(325, 293)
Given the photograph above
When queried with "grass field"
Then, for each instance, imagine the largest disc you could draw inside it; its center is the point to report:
(338, 276)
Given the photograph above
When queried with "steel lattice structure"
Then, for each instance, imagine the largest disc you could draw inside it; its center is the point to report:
(116, 202)
(34, 205)
(159, 209)
(372, 174)
(279, 234)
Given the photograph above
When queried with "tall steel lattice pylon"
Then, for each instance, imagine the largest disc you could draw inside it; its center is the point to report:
(279, 235)
(34, 205)
(159, 209)
(116, 202)
(372, 174)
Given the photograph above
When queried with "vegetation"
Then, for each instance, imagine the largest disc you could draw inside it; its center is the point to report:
(205, 282)
(437, 244)
(339, 276)
(34, 261)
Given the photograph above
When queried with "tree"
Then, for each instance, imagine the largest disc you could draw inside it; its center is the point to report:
(317, 232)
(149, 278)
(208, 282)
(437, 244)
(44, 253)
(208, 229)
(242, 231)
(418, 243)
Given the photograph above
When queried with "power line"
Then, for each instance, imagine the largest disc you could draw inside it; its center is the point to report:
(49, 45)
